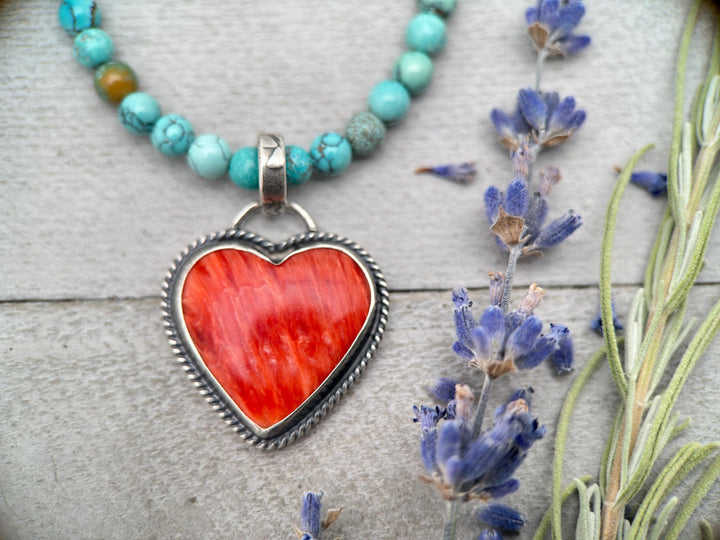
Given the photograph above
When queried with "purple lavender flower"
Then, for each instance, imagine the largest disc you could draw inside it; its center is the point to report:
(562, 356)
(597, 326)
(654, 182)
(533, 210)
(501, 517)
(551, 26)
(311, 524)
(310, 516)
(428, 418)
(499, 344)
(465, 467)
(464, 173)
(539, 119)
(556, 231)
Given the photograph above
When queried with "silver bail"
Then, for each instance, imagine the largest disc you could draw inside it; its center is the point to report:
(271, 169)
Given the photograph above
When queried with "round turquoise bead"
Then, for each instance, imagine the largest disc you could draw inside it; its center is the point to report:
(209, 156)
(389, 101)
(172, 135)
(365, 132)
(138, 113)
(413, 70)
(426, 33)
(244, 168)
(442, 7)
(331, 153)
(78, 15)
(93, 47)
(298, 165)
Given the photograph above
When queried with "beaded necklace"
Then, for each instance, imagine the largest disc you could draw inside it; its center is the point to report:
(272, 333)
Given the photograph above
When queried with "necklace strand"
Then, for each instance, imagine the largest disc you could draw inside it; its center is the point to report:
(209, 155)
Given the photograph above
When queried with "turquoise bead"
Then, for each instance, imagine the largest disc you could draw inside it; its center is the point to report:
(414, 71)
(426, 33)
(78, 15)
(298, 165)
(172, 135)
(331, 153)
(93, 47)
(365, 132)
(209, 156)
(244, 168)
(389, 101)
(138, 113)
(442, 7)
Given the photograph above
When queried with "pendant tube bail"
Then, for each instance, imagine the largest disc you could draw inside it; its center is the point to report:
(272, 175)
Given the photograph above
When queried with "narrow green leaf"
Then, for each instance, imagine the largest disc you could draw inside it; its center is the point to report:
(606, 275)
(662, 519)
(609, 452)
(544, 525)
(702, 486)
(561, 437)
(675, 334)
(706, 531)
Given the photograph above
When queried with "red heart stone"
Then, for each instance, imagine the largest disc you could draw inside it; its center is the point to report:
(271, 334)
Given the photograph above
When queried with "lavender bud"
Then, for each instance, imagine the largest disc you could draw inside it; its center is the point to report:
(463, 173)
(493, 201)
(654, 182)
(497, 287)
(443, 389)
(533, 108)
(516, 198)
(557, 231)
(500, 516)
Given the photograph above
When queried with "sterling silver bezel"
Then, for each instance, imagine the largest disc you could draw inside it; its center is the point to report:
(337, 383)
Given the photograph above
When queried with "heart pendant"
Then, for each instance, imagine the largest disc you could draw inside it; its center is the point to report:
(274, 333)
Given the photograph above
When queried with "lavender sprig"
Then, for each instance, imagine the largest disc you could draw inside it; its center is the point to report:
(462, 461)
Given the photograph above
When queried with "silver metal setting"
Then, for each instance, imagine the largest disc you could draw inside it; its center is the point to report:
(336, 384)
(272, 174)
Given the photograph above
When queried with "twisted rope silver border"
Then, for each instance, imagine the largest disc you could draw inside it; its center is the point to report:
(351, 372)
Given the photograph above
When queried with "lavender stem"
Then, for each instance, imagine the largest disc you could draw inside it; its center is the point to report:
(482, 405)
(513, 257)
(453, 506)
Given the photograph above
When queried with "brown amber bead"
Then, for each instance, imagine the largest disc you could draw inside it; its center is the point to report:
(114, 81)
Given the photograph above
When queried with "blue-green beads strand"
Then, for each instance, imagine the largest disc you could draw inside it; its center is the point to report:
(389, 101)
(138, 113)
(209, 155)
(78, 15)
(414, 71)
(93, 47)
(298, 165)
(365, 132)
(440, 7)
(172, 135)
(243, 169)
(331, 153)
(426, 33)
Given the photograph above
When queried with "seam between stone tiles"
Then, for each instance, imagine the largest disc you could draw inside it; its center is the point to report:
(433, 290)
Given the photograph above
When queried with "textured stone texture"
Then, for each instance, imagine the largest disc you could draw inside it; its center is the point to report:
(102, 436)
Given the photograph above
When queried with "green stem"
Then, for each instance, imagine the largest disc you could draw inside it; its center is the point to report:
(482, 405)
(561, 437)
(542, 55)
(449, 531)
(606, 276)
(542, 529)
(694, 499)
(513, 257)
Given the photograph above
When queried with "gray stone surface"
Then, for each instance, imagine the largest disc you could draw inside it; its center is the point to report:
(101, 436)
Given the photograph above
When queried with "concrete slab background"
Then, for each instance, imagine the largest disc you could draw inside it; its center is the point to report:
(101, 436)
